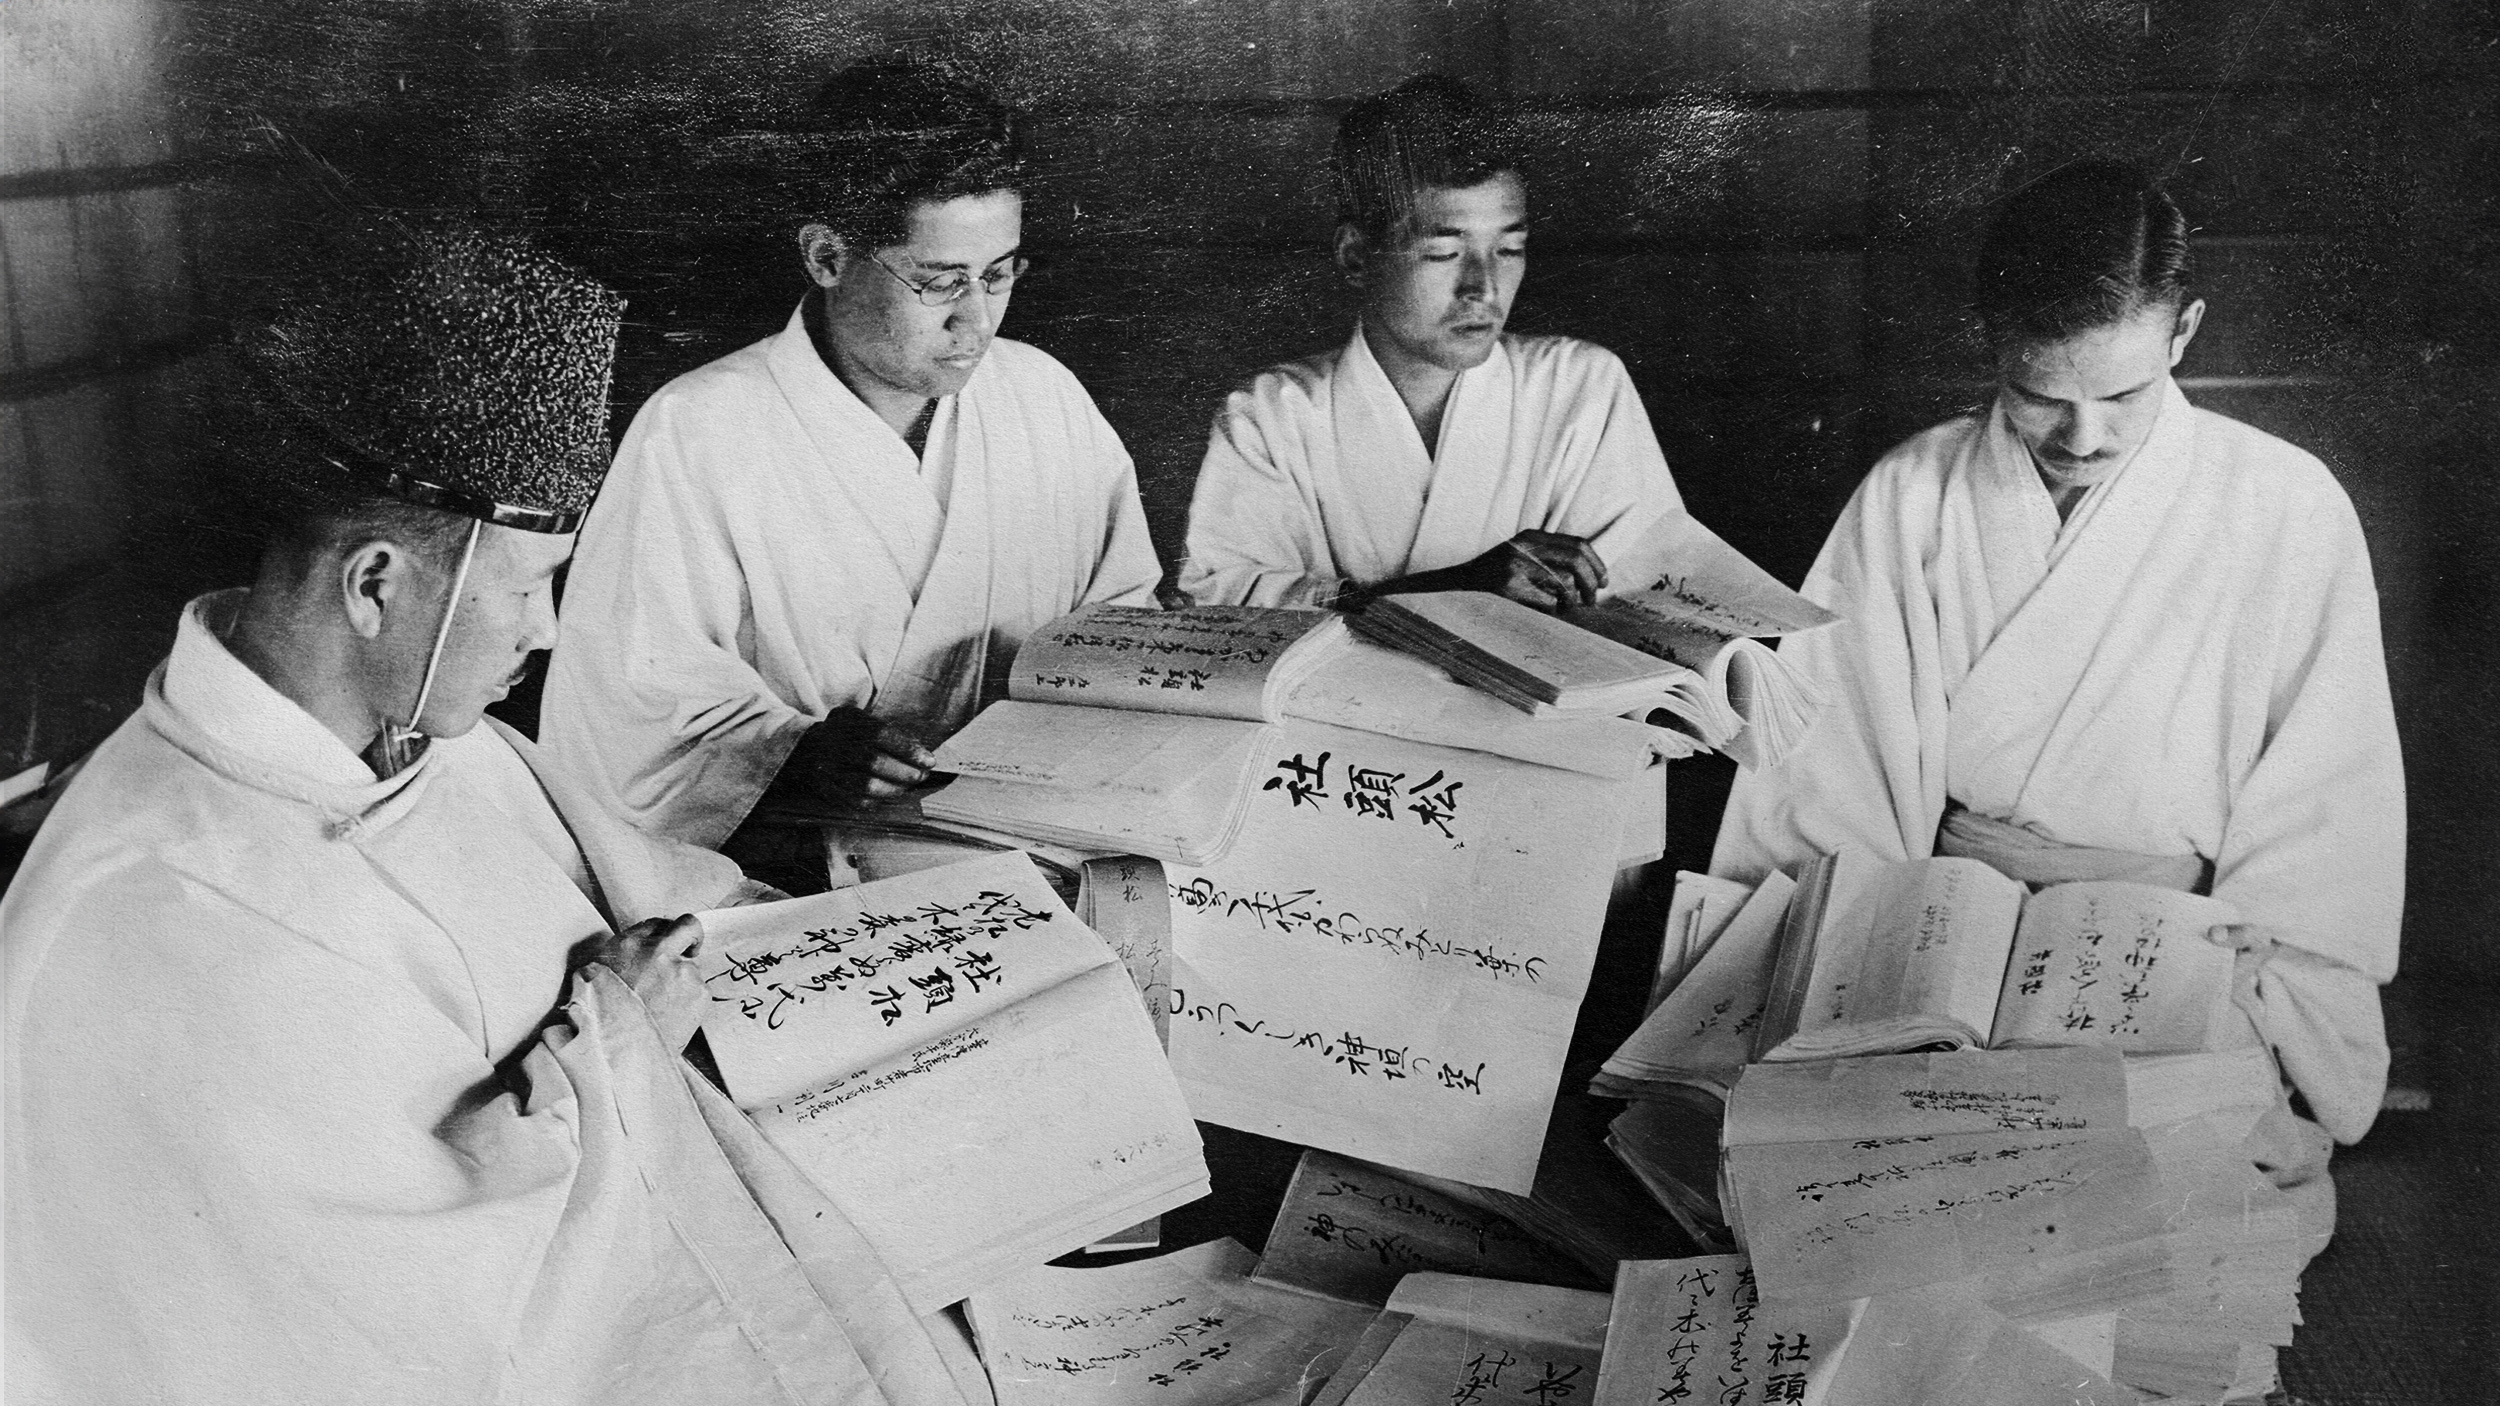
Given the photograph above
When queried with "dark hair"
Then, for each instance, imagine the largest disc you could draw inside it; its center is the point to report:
(2084, 246)
(899, 131)
(1425, 133)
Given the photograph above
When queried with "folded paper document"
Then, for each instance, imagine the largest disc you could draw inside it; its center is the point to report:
(957, 1062)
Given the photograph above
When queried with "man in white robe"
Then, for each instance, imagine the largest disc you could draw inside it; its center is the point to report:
(814, 558)
(2096, 631)
(301, 1107)
(1434, 451)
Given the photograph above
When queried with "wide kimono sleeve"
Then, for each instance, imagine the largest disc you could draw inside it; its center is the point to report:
(2313, 854)
(651, 696)
(249, 1166)
(1869, 775)
(1254, 523)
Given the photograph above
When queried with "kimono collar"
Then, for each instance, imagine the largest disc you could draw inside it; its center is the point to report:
(1365, 374)
(805, 377)
(2019, 525)
(213, 706)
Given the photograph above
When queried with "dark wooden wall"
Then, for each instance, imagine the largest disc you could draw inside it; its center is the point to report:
(1764, 207)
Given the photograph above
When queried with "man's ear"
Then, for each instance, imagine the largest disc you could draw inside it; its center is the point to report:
(824, 254)
(375, 579)
(1354, 253)
(2184, 330)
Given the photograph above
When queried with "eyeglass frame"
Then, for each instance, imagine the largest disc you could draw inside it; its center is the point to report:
(1017, 266)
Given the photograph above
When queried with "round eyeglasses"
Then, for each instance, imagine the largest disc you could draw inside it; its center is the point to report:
(952, 285)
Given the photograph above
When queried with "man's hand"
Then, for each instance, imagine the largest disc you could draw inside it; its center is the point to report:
(1547, 570)
(658, 957)
(851, 758)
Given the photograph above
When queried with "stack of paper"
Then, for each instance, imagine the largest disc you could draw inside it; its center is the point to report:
(1861, 1176)
(1132, 730)
(1521, 655)
(956, 1062)
(1449, 1338)
(1185, 1329)
(1378, 689)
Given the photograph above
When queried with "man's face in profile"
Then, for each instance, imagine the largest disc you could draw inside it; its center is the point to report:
(506, 611)
(2085, 404)
(881, 329)
(1441, 291)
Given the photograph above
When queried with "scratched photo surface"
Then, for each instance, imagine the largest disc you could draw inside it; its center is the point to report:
(1765, 207)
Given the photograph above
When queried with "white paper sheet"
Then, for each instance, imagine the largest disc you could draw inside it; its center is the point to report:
(957, 1062)
(1389, 961)
(1183, 1329)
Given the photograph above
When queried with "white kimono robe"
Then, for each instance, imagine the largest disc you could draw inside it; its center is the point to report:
(259, 1149)
(2189, 666)
(766, 550)
(1315, 477)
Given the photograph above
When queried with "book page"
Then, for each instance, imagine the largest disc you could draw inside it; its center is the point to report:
(1828, 1221)
(1389, 961)
(1683, 571)
(1351, 1231)
(1696, 1330)
(2128, 964)
(1700, 909)
(2071, 1090)
(1521, 655)
(1859, 1176)
(1100, 749)
(1208, 660)
(1183, 1329)
(1474, 1342)
(1924, 942)
(1707, 1023)
(869, 1031)
(1377, 689)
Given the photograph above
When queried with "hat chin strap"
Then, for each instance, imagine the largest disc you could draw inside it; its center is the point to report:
(398, 741)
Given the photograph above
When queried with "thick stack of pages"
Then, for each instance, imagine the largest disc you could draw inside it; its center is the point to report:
(1701, 1330)
(1132, 730)
(1676, 640)
(958, 1063)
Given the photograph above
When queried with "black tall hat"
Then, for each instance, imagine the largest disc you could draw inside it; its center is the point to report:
(450, 368)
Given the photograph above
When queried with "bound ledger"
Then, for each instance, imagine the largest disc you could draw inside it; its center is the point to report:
(1131, 729)
(1677, 640)
(958, 1063)
(1878, 957)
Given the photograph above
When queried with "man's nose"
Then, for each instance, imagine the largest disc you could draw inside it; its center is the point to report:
(2087, 433)
(1475, 278)
(972, 311)
(540, 630)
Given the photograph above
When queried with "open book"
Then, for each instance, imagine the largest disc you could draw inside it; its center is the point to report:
(957, 1062)
(1132, 729)
(1877, 957)
(1676, 637)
